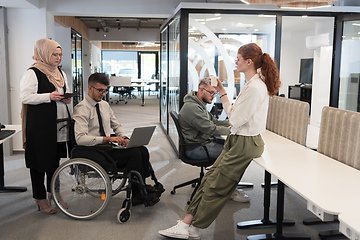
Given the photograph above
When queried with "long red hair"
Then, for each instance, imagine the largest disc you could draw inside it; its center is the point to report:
(269, 71)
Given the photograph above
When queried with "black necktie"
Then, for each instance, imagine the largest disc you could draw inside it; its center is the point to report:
(101, 127)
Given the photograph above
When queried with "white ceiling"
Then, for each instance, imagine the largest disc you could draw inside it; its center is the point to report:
(237, 23)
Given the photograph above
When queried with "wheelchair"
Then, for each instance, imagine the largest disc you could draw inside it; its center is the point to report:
(82, 187)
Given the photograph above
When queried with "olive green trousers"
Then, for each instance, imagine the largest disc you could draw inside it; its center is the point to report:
(222, 178)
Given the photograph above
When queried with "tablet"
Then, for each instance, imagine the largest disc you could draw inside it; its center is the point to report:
(69, 95)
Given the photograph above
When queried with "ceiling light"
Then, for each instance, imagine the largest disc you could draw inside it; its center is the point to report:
(304, 16)
(213, 19)
(200, 20)
(244, 25)
(319, 6)
(356, 24)
(283, 7)
(224, 29)
(148, 44)
(243, 1)
(104, 35)
(256, 30)
(268, 16)
(217, 14)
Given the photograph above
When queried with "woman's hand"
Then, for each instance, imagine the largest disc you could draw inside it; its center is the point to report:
(56, 96)
(66, 100)
(220, 88)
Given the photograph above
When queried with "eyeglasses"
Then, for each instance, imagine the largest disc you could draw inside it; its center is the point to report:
(211, 93)
(101, 91)
(57, 55)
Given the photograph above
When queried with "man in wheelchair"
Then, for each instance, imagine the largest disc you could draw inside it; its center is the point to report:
(94, 120)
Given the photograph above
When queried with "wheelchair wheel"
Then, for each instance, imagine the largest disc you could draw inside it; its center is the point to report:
(123, 215)
(81, 188)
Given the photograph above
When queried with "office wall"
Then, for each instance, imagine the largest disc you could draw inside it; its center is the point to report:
(293, 48)
(63, 37)
(25, 27)
(4, 80)
(95, 59)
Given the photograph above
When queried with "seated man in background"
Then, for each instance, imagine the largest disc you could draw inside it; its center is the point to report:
(94, 120)
(199, 126)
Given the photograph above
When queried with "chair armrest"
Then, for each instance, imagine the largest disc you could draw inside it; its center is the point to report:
(199, 144)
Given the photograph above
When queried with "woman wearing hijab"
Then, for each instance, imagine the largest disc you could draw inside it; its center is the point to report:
(41, 89)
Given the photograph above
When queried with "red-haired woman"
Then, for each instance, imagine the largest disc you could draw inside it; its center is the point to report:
(247, 117)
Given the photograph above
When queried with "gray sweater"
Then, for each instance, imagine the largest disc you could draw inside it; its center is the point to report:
(197, 124)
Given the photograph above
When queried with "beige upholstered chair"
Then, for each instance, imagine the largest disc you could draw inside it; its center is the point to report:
(340, 135)
(288, 118)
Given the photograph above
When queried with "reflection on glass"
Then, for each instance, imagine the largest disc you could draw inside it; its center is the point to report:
(213, 44)
(350, 67)
(174, 74)
(77, 74)
(120, 63)
(163, 79)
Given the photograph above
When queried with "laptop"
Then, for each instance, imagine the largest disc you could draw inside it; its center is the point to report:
(140, 136)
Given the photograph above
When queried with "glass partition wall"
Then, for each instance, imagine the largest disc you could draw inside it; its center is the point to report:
(214, 40)
(306, 59)
(349, 92)
(76, 58)
(301, 43)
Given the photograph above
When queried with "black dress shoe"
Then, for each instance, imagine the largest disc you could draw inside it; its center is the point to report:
(158, 189)
(148, 200)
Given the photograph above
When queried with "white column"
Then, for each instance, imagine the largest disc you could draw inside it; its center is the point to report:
(320, 96)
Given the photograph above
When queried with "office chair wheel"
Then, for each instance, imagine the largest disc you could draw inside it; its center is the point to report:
(173, 192)
(81, 188)
(193, 185)
(123, 215)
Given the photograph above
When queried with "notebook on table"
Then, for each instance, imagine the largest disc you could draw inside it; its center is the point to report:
(140, 136)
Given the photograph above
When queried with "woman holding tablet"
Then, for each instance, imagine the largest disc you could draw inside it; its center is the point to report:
(41, 90)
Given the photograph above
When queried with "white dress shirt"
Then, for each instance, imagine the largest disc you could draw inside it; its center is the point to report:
(29, 95)
(247, 116)
(87, 124)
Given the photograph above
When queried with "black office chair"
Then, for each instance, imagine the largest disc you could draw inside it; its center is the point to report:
(118, 90)
(202, 163)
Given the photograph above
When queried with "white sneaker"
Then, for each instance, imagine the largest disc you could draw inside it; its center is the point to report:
(239, 196)
(181, 231)
(194, 232)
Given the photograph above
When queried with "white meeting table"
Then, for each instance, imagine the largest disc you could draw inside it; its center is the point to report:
(313, 176)
(3, 188)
